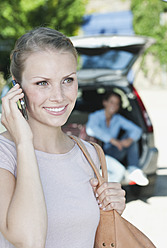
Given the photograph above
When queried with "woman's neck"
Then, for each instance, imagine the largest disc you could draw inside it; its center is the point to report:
(108, 117)
(51, 139)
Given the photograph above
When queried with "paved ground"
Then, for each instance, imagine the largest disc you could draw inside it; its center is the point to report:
(150, 215)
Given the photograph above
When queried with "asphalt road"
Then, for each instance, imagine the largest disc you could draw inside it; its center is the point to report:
(150, 214)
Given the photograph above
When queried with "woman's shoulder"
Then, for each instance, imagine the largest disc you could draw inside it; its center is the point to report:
(92, 152)
(99, 113)
(119, 117)
(89, 146)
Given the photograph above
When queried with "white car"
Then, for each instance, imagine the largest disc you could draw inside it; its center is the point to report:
(105, 63)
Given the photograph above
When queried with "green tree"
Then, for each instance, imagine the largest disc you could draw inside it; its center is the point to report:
(147, 21)
(19, 16)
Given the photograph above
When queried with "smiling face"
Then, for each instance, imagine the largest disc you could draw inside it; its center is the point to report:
(112, 105)
(50, 84)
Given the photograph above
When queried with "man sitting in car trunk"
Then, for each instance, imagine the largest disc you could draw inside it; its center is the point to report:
(106, 124)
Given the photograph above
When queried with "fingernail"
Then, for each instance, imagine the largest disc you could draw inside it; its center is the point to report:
(100, 205)
(97, 195)
(104, 209)
(98, 201)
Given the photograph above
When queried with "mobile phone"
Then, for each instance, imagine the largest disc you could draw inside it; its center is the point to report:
(21, 104)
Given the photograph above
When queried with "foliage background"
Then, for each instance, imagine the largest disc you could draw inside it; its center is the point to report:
(147, 18)
(19, 16)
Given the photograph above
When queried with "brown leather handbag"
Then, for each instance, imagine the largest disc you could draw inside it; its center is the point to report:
(113, 230)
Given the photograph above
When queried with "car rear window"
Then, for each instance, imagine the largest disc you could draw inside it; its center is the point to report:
(112, 59)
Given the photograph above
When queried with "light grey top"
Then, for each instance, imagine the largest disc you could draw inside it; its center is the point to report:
(73, 212)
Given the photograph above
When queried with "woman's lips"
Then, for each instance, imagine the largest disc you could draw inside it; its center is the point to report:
(56, 110)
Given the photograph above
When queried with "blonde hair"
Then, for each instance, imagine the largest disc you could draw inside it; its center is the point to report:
(36, 40)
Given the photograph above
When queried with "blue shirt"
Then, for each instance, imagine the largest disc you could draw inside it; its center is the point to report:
(97, 127)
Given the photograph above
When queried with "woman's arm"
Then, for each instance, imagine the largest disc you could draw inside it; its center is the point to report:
(134, 132)
(24, 217)
(94, 129)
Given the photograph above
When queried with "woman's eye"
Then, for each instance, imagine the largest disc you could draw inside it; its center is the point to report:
(68, 80)
(42, 83)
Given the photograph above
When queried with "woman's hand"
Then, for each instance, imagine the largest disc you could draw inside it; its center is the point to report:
(117, 143)
(12, 118)
(109, 196)
(126, 142)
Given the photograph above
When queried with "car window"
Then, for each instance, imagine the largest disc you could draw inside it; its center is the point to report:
(91, 100)
(112, 59)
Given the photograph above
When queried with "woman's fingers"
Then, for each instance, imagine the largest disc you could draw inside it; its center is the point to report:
(104, 186)
(16, 90)
(113, 200)
(12, 91)
(110, 199)
(111, 196)
(94, 183)
(9, 106)
(15, 98)
(115, 206)
(9, 102)
(12, 117)
(111, 192)
(17, 86)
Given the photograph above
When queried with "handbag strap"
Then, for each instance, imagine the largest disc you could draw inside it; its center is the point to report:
(104, 177)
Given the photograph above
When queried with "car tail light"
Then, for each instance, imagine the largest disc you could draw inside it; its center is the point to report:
(144, 112)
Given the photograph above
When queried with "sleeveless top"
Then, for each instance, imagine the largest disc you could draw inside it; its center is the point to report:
(73, 212)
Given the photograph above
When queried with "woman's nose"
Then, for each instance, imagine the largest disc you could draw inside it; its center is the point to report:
(56, 94)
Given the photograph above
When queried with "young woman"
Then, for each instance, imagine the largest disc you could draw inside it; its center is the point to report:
(48, 195)
(106, 124)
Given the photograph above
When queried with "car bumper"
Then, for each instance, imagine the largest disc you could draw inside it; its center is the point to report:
(150, 164)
